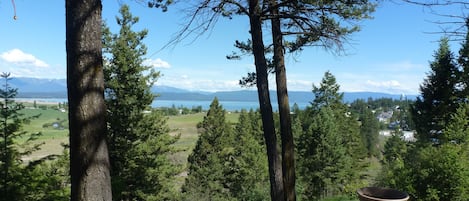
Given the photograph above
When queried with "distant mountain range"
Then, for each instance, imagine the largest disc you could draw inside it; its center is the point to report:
(57, 88)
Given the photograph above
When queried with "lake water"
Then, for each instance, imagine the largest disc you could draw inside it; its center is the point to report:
(227, 105)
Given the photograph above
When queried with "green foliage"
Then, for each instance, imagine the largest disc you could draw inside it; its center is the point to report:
(327, 94)
(439, 99)
(440, 173)
(322, 158)
(327, 28)
(163, 4)
(436, 167)
(23, 180)
(228, 163)
(181, 110)
(330, 146)
(369, 130)
(394, 173)
(50, 180)
(457, 130)
(248, 172)
(139, 140)
(206, 179)
(463, 61)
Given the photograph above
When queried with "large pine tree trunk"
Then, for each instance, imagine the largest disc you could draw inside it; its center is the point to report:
(275, 166)
(288, 150)
(89, 166)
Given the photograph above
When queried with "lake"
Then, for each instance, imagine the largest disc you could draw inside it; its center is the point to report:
(227, 105)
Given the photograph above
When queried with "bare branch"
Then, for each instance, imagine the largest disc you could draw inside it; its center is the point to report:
(456, 26)
(203, 16)
(437, 2)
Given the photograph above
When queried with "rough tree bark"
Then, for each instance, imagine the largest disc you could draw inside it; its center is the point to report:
(275, 166)
(288, 149)
(89, 165)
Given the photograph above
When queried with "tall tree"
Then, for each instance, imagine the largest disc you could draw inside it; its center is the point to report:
(247, 169)
(322, 156)
(206, 177)
(394, 168)
(327, 94)
(286, 133)
(306, 23)
(139, 142)
(258, 50)
(463, 61)
(439, 97)
(12, 184)
(369, 130)
(369, 125)
(329, 147)
(435, 167)
(89, 166)
(24, 179)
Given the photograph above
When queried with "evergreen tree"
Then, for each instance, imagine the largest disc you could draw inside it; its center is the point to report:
(369, 130)
(327, 93)
(437, 170)
(439, 96)
(207, 163)
(330, 146)
(25, 180)
(457, 130)
(440, 173)
(323, 159)
(247, 168)
(49, 180)
(327, 28)
(394, 172)
(139, 141)
(463, 61)
(369, 125)
(11, 163)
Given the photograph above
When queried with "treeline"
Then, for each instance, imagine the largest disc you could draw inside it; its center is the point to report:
(180, 110)
(334, 141)
(436, 165)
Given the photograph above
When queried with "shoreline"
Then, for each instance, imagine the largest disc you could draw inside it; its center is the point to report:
(41, 101)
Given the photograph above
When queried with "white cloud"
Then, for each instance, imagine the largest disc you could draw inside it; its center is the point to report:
(299, 85)
(194, 84)
(384, 84)
(157, 63)
(389, 86)
(18, 57)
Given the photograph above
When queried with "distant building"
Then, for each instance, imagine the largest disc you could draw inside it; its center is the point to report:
(407, 135)
(385, 116)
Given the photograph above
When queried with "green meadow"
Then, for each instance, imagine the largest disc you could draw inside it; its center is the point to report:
(53, 125)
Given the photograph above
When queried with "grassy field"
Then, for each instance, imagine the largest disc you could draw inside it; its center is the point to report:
(53, 125)
(183, 125)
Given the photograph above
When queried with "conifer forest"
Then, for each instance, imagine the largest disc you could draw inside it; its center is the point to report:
(116, 146)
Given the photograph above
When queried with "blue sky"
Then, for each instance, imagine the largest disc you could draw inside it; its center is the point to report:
(390, 54)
